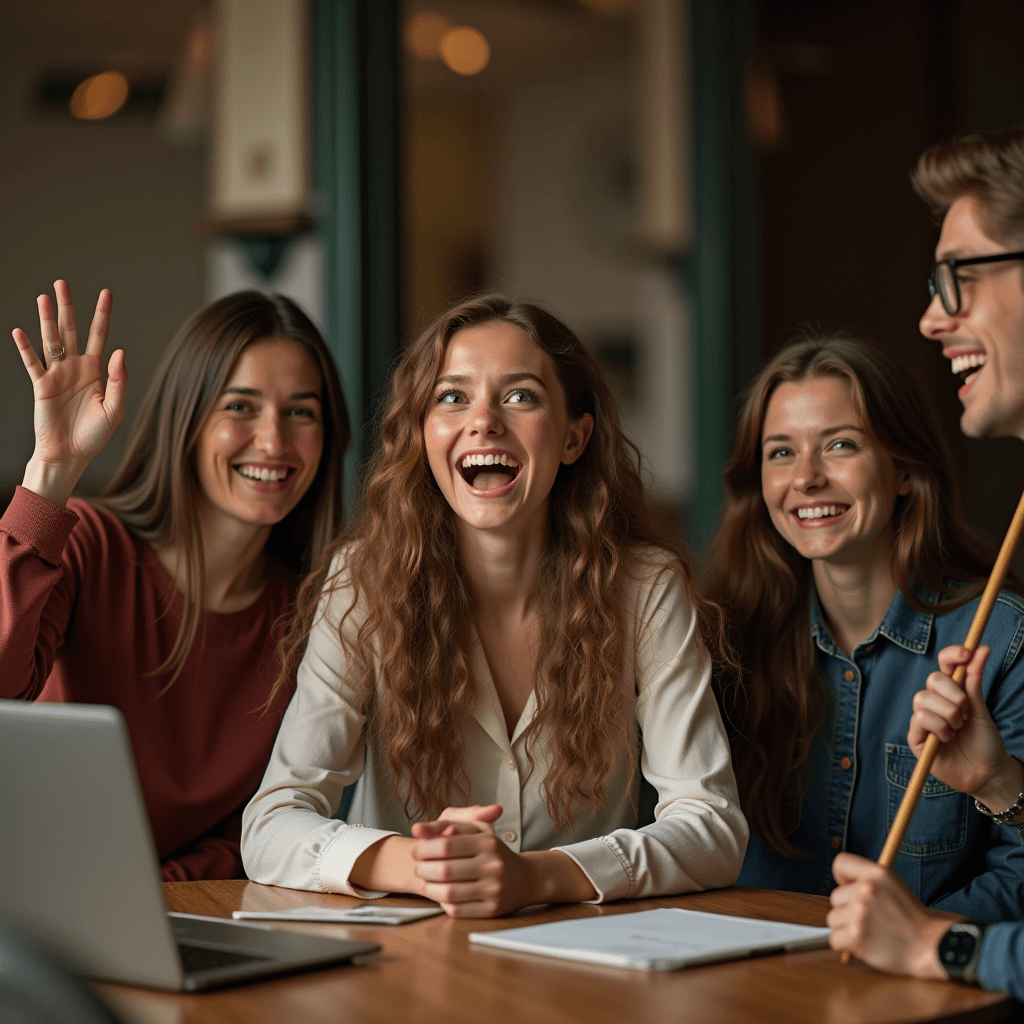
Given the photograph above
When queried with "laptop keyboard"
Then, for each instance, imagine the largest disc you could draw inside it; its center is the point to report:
(202, 958)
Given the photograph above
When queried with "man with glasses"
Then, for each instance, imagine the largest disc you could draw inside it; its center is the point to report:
(976, 313)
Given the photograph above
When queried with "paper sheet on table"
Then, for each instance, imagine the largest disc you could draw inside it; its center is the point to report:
(657, 940)
(341, 915)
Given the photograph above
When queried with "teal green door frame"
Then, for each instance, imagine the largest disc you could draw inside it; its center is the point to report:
(722, 271)
(356, 170)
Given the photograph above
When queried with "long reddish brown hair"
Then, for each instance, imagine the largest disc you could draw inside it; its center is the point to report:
(401, 559)
(777, 702)
(156, 488)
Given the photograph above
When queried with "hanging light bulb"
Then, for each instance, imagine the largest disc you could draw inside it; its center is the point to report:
(99, 96)
(465, 50)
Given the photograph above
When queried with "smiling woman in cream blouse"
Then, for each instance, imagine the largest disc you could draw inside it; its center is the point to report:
(501, 645)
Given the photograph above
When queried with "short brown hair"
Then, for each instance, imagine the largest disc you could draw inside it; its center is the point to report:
(988, 165)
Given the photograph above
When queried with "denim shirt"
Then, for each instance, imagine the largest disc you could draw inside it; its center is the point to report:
(952, 857)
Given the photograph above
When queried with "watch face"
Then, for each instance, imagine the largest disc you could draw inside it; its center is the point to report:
(959, 948)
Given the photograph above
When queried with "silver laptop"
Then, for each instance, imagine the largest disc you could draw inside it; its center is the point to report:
(78, 867)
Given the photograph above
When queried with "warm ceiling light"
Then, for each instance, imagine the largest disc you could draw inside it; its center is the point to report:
(608, 6)
(424, 32)
(99, 96)
(465, 50)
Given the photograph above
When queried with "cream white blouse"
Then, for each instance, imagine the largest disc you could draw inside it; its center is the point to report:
(697, 841)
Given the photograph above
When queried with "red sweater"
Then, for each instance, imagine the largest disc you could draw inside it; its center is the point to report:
(83, 617)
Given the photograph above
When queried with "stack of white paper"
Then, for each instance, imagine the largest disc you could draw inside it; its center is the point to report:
(657, 940)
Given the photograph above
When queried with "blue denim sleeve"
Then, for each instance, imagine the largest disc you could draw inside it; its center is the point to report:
(996, 890)
(1001, 965)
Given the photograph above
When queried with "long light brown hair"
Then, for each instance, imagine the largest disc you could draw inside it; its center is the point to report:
(777, 702)
(401, 559)
(156, 488)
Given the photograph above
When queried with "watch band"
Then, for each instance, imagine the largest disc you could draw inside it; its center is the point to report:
(960, 948)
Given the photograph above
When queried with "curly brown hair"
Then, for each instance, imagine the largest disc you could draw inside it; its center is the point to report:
(401, 560)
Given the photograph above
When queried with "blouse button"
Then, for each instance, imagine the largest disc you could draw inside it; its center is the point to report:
(845, 764)
(834, 842)
(848, 675)
(511, 763)
(510, 836)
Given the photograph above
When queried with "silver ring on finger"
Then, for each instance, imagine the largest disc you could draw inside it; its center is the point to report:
(56, 353)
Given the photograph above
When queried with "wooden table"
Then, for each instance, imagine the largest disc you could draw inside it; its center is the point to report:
(427, 971)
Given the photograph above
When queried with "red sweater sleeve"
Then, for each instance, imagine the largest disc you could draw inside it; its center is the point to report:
(215, 854)
(37, 591)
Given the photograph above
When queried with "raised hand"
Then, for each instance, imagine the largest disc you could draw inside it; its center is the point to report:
(74, 415)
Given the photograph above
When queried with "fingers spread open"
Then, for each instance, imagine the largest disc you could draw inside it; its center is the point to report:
(117, 387)
(100, 323)
(66, 318)
(48, 327)
(28, 355)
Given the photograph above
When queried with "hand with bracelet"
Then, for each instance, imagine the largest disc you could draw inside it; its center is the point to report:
(973, 758)
(874, 915)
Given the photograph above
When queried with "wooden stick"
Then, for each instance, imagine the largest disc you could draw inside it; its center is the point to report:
(931, 746)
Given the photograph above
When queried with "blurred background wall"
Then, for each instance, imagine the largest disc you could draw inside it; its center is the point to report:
(684, 183)
(102, 203)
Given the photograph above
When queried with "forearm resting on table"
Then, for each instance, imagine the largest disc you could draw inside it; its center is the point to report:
(387, 866)
(558, 878)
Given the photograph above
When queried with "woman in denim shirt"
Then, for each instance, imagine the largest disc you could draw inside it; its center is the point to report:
(847, 568)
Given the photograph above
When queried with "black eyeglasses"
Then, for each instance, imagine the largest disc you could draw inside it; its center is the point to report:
(945, 283)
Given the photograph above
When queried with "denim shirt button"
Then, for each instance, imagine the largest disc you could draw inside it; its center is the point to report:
(848, 675)
(834, 842)
(845, 763)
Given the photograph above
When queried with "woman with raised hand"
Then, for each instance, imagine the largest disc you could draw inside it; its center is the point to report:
(164, 596)
(848, 574)
(501, 645)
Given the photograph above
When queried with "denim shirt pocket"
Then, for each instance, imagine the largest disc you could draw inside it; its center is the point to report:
(939, 822)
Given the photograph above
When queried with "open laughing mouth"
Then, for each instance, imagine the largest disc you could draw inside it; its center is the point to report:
(967, 364)
(263, 474)
(489, 471)
(824, 514)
